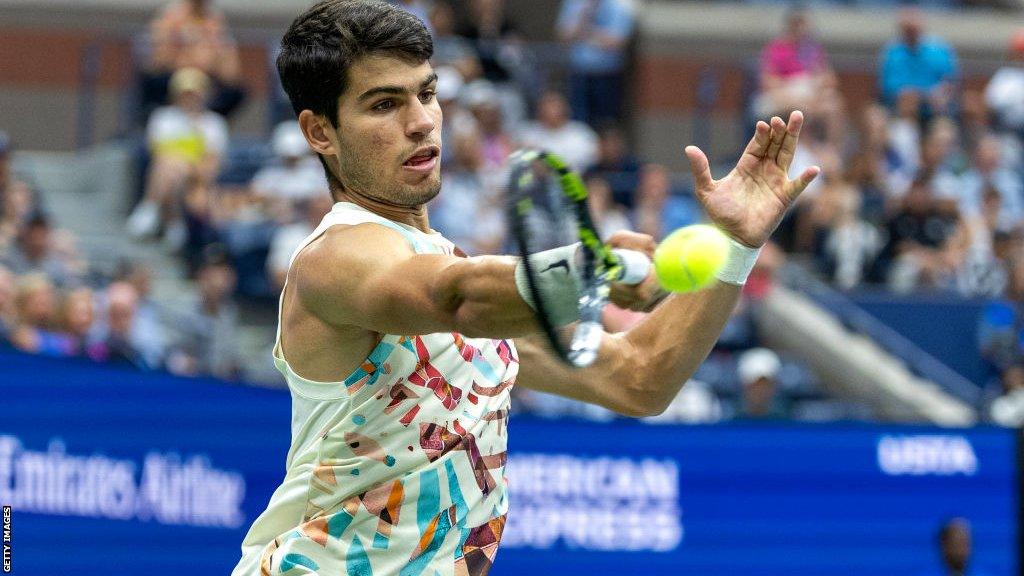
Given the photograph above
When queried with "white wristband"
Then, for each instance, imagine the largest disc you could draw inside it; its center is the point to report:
(558, 281)
(738, 265)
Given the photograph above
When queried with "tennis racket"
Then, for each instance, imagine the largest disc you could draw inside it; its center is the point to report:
(547, 209)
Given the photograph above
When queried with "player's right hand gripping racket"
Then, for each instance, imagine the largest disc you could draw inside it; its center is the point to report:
(547, 208)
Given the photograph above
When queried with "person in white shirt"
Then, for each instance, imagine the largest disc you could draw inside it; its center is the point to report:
(187, 142)
(553, 130)
(696, 403)
(1005, 91)
(287, 238)
(293, 179)
(987, 171)
(1008, 409)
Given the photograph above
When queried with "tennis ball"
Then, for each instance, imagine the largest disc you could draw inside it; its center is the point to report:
(689, 258)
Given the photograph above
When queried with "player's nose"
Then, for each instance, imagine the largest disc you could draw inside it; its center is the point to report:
(420, 121)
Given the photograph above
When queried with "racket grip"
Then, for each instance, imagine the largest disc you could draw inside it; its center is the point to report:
(635, 265)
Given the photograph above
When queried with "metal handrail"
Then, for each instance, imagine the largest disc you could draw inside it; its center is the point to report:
(918, 360)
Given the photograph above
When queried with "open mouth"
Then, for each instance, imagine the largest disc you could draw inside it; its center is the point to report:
(423, 159)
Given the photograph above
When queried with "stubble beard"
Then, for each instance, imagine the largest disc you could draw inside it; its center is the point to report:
(369, 183)
(417, 195)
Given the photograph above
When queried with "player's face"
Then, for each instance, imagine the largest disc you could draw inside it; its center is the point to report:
(389, 132)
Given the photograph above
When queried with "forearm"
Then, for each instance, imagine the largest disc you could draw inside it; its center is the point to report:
(670, 343)
(481, 296)
(637, 373)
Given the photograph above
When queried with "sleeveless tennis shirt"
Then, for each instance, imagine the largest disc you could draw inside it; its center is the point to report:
(397, 469)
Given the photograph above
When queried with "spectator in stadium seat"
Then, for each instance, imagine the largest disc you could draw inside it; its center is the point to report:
(17, 200)
(921, 63)
(295, 177)
(469, 211)
(986, 250)
(449, 48)
(1008, 409)
(975, 119)
(851, 243)
(758, 370)
(287, 238)
(658, 211)
(36, 329)
(36, 251)
(116, 335)
(598, 33)
(617, 164)
(989, 172)
(148, 334)
(187, 142)
(817, 212)
(457, 119)
(482, 100)
(955, 549)
(609, 216)
(206, 220)
(76, 317)
(915, 255)
(1005, 91)
(1001, 325)
(876, 167)
(193, 34)
(492, 35)
(904, 134)
(942, 163)
(795, 73)
(209, 343)
(554, 129)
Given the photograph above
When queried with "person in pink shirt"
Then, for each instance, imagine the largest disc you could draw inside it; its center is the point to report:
(795, 73)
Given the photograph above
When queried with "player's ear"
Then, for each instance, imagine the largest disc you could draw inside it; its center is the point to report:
(317, 132)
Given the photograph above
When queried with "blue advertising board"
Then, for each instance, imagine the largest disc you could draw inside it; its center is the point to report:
(112, 471)
(754, 499)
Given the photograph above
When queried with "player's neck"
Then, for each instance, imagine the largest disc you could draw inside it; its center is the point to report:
(410, 216)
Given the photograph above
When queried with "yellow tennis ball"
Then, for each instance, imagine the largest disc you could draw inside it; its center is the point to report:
(689, 258)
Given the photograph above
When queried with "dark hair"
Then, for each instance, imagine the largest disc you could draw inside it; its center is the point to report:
(37, 220)
(324, 41)
(948, 526)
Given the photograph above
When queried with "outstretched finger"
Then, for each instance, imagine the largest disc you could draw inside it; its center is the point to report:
(792, 137)
(701, 169)
(633, 241)
(758, 144)
(778, 134)
(797, 186)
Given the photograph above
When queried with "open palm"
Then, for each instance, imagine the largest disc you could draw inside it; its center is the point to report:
(750, 201)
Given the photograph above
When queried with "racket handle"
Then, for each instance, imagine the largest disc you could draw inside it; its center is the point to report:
(635, 265)
(585, 341)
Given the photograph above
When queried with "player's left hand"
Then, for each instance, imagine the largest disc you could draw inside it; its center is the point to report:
(637, 297)
(750, 201)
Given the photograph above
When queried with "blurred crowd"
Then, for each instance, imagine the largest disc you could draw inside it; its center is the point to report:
(53, 304)
(920, 190)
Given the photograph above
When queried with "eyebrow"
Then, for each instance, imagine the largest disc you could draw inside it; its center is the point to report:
(395, 89)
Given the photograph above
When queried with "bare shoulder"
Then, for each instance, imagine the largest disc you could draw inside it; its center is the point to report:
(344, 251)
(341, 261)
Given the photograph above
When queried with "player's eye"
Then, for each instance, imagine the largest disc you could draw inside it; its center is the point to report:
(384, 105)
(427, 96)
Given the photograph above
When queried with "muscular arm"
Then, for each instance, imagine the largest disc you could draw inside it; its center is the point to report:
(638, 372)
(368, 276)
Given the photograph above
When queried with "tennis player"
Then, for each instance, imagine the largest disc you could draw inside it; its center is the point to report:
(400, 353)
